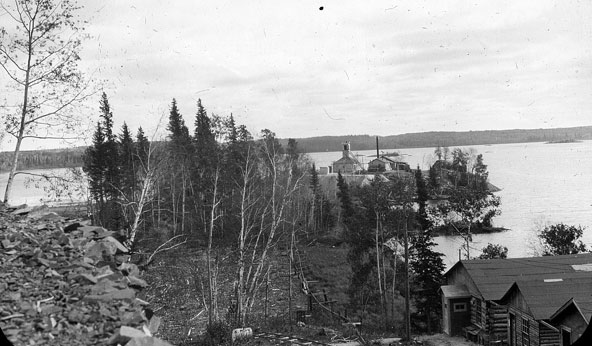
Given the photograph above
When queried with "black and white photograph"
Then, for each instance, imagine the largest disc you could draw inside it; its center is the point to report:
(327, 173)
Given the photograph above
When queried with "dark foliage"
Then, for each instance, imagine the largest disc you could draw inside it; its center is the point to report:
(494, 251)
(562, 239)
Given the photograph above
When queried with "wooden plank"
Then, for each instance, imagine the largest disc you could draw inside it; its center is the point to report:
(549, 326)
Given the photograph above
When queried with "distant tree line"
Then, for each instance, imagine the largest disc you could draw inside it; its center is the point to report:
(44, 159)
(444, 139)
(73, 157)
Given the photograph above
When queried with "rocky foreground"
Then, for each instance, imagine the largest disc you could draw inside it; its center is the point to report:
(64, 282)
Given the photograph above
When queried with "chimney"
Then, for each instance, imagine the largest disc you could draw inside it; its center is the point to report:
(377, 154)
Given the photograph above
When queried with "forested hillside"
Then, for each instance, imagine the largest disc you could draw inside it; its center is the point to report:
(36, 159)
(444, 139)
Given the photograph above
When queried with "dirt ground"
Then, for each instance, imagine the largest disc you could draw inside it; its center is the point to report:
(444, 340)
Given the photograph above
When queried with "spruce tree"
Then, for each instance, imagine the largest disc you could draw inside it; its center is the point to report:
(316, 198)
(292, 149)
(426, 264)
(110, 152)
(231, 129)
(422, 198)
(102, 167)
(178, 132)
(205, 163)
(433, 179)
(94, 166)
(344, 196)
(141, 148)
(428, 268)
(128, 173)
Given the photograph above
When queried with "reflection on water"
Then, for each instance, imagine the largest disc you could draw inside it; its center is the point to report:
(541, 183)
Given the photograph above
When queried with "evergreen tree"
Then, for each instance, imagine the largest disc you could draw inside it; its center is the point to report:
(344, 196)
(205, 164)
(428, 268)
(292, 150)
(316, 202)
(433, 179)
(243, 134)
(481, 173)
(94, 166)
(178, 132)
(422, 198)
(180, 150)
(231, 129)
(426, 264)
(128, 171)
(142, 146)
(204, 136)
(102, 167)
(314, 180)
(110, 152)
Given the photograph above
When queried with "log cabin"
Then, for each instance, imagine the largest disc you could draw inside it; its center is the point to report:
(481, 285)
(545, 312)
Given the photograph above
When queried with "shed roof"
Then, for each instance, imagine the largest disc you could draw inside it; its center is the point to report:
(493, 277)
(455, 291)
(545, 297)
(583, 305)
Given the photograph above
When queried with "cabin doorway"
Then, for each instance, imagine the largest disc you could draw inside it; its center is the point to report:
(565, 337)
(512, 329)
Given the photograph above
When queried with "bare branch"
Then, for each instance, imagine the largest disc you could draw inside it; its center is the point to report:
(72, 100)
(9, 57)
(162, 248)
(10, 75)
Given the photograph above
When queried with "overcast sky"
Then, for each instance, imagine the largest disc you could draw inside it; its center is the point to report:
(354, 67)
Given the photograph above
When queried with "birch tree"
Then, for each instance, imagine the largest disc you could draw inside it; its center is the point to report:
(267, 186)
(39, 55)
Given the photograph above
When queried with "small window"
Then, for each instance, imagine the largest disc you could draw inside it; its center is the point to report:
(459, 307)
(478, 312)
(525, 332)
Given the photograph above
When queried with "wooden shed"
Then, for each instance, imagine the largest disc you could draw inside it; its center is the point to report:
(456, 312)
(572, 319)
(489, 280)
(536, 307)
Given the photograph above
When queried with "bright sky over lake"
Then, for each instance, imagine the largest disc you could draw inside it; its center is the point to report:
(354, 67)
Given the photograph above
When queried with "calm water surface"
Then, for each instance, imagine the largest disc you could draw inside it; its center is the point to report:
(541, 183)
(27, 189)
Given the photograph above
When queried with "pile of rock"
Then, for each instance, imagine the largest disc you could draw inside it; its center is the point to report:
(66, 282)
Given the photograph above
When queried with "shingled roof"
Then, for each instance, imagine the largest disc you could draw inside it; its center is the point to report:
(493, 277)
(545, 297)
(582, 304)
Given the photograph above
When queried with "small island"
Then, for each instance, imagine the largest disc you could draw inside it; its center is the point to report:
(562, 141)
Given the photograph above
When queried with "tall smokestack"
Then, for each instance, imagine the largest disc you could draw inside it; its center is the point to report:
(377, 154)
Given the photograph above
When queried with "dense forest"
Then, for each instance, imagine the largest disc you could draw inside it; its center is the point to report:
(49, 158)
(240, 199)
(445, 139)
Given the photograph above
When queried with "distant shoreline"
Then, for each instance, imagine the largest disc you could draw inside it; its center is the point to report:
(443, 138)
(563, 141)
(73, 157)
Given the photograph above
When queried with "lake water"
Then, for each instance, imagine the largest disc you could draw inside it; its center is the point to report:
(541, 184)
(31, 189)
